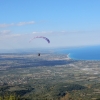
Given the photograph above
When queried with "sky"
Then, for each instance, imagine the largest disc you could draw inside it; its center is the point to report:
(66, 23)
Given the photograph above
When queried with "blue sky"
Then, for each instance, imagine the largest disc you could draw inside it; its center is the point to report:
(65, 22)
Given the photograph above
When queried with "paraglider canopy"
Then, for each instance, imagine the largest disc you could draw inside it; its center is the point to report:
(41, 37)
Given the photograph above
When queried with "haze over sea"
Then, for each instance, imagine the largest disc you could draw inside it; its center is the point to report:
(82, 53)
(77, 53)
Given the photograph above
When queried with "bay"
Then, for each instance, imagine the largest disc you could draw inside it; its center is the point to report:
(82, 53)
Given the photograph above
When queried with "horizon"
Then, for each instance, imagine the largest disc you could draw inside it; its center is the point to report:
(46, 50)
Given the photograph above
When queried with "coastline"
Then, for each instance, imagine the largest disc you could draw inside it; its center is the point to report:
(68, 56)
(82, 53)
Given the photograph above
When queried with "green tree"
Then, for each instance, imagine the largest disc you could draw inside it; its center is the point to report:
(12, 97)
(1, 98)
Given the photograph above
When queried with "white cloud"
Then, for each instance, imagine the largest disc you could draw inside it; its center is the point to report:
(43, 32)
(5, 32)
(16, 24)
(6, 25)
(34, 32)
(76, 32)
(25, 23)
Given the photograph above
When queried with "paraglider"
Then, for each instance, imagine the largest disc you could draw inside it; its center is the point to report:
(38, 54)
(42, 38)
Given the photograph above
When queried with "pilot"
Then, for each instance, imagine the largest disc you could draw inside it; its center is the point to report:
(38, 54)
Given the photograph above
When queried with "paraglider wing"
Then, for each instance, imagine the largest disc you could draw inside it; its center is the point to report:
(41, 37)
(47, 39)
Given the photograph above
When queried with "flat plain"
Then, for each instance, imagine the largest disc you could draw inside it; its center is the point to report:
(49, 77)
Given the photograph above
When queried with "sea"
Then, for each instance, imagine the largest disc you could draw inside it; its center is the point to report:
(81, 53)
